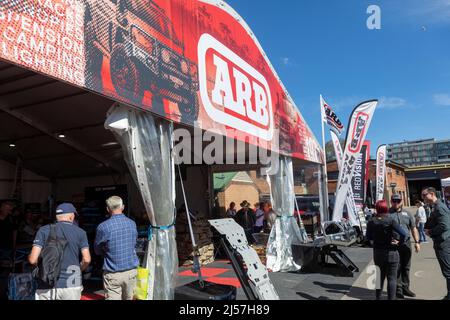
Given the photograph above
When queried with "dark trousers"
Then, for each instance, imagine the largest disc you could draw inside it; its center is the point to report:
(443, 255)
(257, 229)
(387, 262)
(249, 235)
(404, 267)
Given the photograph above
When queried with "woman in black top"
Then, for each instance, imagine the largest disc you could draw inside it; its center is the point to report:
(385, 248)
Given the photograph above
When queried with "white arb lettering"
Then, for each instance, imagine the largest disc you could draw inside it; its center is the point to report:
(260, 114)
(243, 92)
(252, 103)
(222, 93)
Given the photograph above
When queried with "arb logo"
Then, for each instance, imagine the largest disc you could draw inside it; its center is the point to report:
(358, 131)
(233, 93)
(380, 162)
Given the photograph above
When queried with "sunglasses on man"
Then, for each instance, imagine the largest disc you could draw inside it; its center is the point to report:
(396, 201)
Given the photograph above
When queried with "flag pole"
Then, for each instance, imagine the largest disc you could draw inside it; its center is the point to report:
(325, 173)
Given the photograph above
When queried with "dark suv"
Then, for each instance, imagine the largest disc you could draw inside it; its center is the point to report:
(144, 52)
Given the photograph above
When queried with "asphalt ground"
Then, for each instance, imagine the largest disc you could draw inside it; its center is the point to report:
(328, 284)
(426, 278)
(324, 283)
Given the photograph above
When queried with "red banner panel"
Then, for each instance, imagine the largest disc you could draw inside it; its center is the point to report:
(193, 62)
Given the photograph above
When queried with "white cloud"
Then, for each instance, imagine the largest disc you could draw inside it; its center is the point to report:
(442, 99)
(436, 11)
(346, 102)
(383, 102)
(286, 61)
(391, 103)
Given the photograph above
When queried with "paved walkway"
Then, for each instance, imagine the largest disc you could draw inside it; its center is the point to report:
(426, 277)
(326, 285)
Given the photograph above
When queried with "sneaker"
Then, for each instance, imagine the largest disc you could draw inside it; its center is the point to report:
(409, 293)
(400, 296)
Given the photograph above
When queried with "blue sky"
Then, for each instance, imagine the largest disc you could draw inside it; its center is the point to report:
(324, 47)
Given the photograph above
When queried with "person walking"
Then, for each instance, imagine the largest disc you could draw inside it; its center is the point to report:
(115, 240)
(438, 228)
(270, 216)
(231, 212)
(259, 215)
(408, 223)
(69, 283)
(421, 219)
(27, 229)
(386, 256)
(8, 232)
(246, 219)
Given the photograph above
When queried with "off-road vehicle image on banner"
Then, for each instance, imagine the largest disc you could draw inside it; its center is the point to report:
(145, 54)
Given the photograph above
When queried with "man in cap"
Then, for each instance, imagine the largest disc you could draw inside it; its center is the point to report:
(246, 219)
(69, 284)
(408, 223)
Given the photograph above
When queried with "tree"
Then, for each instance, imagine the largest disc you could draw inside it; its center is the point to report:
(329, 149)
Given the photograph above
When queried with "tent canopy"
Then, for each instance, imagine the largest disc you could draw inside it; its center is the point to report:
(35, 110)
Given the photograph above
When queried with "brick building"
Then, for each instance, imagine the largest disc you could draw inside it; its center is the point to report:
(396, 181)
(234, 187)
(253, 187)
(395, 174)
(427, 176)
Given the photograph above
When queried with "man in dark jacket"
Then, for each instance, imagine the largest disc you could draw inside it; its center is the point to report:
(438, 228)
(246, 219)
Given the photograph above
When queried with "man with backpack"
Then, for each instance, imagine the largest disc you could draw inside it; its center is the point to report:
(56, 251)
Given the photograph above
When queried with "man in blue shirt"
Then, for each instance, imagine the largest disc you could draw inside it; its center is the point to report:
(116, 242)
(69, 285)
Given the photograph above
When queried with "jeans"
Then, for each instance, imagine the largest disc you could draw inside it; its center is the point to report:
(422, 234)
(387, 262)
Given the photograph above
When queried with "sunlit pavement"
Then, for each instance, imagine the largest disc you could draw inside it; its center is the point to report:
(426, 277)
(326, 285)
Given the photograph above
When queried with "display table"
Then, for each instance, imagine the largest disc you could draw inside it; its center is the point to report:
(313, 258)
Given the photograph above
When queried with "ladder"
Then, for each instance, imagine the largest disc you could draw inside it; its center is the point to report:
(341, 259)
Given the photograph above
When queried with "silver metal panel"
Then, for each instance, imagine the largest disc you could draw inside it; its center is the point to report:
(256, 271)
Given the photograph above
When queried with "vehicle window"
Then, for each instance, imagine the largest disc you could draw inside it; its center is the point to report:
(308, 205)
(155, 16)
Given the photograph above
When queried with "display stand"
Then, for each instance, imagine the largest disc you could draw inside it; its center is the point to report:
(314, 257)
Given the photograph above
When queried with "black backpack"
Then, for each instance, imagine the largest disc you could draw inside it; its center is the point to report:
(50, 259)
